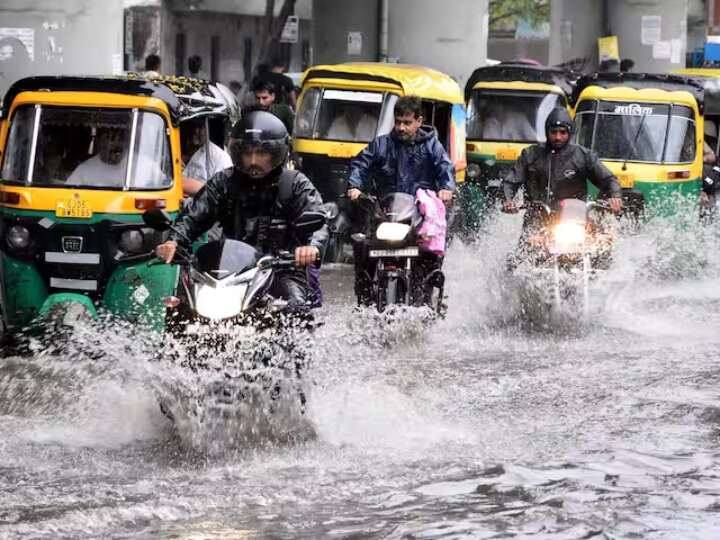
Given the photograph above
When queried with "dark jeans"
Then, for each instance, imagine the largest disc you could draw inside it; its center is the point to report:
(292, 285)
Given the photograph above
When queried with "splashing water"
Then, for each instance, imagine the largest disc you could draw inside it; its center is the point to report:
(475, 425)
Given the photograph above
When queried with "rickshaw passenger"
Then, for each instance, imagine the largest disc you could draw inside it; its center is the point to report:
(107, 168)
(352, 123)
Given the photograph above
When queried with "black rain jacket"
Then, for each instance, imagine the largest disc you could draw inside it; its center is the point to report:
(246, 207)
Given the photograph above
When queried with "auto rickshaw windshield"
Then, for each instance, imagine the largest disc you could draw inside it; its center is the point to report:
(637, 132)
(343, 115)
(87, 147)
(509, 116)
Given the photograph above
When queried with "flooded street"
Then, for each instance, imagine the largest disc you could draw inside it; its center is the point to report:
(482, 425)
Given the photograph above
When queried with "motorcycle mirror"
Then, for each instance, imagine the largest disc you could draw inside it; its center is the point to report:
(309, 222)
(157, 219)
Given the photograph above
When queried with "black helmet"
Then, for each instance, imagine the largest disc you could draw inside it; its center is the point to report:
(559, 117)
(259, 129)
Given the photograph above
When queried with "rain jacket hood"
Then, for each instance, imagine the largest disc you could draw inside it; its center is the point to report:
(559, 117)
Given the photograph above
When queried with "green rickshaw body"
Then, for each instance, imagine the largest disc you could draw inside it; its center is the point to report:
(648, 130)
(82, 159)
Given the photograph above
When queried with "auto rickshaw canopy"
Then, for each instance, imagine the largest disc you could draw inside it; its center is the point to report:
(185, 98)
(410, 79)
(647, 86)
(528, 74)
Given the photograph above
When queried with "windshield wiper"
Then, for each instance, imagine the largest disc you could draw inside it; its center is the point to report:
(632, 146)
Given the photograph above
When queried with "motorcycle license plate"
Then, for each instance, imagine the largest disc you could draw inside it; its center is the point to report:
(402, 252)
(495, 182)
(73, 208)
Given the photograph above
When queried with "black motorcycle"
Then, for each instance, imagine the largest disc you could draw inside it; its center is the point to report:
(225, 286)
(398, 271)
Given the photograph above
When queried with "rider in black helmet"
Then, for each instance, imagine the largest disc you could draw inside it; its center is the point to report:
(557, 169)
(257, 192)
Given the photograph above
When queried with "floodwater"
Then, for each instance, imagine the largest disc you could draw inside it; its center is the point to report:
(491, 423)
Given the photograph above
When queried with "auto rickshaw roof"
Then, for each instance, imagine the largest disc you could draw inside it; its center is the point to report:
(186, 98)
(711, 80)
(641, 81)
(522, 72)
(414, 80)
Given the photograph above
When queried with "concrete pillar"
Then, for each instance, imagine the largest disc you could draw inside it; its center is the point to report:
(574, 30)
(425, 32)
(334, 21)
(575, 27)
(448, 36)
(626, 21)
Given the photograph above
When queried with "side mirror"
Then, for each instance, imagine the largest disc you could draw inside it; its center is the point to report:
(308, 223)
(157, 219)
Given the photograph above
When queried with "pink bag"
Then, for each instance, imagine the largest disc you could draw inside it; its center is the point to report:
(432, 230)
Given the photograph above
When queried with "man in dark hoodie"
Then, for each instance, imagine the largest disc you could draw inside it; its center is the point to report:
(245, 200)
(556, 170)
(409, 158)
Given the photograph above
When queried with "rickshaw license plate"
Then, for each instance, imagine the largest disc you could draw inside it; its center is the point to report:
(626, 180)
(403, 252)
(507, 154)
(73, 208)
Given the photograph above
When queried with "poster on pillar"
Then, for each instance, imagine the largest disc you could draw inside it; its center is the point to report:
(650, 29)
(608, 48)
(354, 43)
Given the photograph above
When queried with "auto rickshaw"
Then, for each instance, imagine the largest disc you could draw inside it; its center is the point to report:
(507, 105)
(82, 159)
(343, 107)
(648, 129)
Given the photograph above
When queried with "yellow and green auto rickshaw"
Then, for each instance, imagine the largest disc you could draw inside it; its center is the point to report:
(648, 129)
(343, 107)
(507, 105)
(82, 159)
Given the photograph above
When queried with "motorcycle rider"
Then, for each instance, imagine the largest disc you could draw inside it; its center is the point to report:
(555, 170)
(409, 158)
(247, 198)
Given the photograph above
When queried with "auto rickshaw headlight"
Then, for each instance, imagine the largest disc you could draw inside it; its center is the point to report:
(132, 241)
(18, 237)
(473, 171)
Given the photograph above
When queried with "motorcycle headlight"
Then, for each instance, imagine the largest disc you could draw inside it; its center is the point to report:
(18, 237)
(568, 236)
(132, 241)
(221, 302)
(392, 232)
(473, 171)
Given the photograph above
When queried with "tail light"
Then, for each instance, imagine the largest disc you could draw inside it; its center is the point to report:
(9, 197)
(147, 204)
(678, 175)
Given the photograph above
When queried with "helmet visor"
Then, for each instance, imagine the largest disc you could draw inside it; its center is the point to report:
(257, 158)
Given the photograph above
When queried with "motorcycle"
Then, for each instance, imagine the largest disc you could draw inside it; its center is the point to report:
(225, 287)
(568, 248)
(401, 272)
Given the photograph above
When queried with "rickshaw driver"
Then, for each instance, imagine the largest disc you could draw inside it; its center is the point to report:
(555, 170)
(107, 167)
(246, 198)
(409, 158)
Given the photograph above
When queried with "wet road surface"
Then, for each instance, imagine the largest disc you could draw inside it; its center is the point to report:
(489, 424)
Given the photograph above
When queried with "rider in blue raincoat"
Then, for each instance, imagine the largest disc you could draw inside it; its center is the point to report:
(407, 159)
